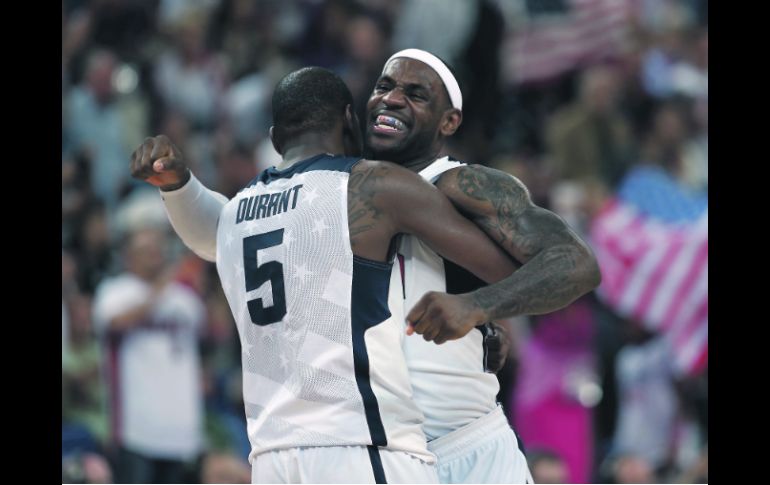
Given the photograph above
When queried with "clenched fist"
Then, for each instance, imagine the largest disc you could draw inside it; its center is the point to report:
(159, 162)
(441, 317)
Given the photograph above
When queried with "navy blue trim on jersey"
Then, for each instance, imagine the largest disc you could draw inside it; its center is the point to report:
(459, 280)
(369, 307)
(484, 332)
(377, 469)
(323, 161)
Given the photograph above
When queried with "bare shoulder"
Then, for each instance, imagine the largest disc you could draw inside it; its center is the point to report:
(479, 189)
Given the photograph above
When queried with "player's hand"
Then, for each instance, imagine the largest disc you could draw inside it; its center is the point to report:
(440, 317)
(497, 345)
(159, 162)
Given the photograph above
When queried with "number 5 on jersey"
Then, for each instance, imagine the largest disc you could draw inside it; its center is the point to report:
(257, 275)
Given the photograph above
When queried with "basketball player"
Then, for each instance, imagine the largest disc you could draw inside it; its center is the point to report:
(420, 100)
(305, 257)
(415, 105)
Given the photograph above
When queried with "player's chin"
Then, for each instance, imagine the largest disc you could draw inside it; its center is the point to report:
(384, 142)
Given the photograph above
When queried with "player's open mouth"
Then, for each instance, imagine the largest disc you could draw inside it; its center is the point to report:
(388, 124)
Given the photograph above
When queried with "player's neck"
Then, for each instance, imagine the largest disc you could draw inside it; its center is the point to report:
(417, 164)
(309, 145)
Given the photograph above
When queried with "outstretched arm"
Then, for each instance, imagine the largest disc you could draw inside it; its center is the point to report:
(558, 267)
(192, 208)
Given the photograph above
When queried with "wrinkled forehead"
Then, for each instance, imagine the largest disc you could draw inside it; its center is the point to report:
(404, 70)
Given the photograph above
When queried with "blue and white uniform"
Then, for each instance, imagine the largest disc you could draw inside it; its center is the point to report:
(325, 380)
(465, 426)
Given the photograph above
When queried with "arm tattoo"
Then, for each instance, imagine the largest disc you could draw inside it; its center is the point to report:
(501, 199)
(558, 267)
(363, 214)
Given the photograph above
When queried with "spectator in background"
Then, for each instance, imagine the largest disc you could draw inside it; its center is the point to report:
(123, 27)
(590, 139)
(93, 244)
(85, 468)
(241, 30)
(656, 429)
(83, 396)
(236, 169)
(323, 38)
(367, 50)
(547, 467)
(76, 33)
(189, 77)
(695, 160)
(557, 387)
(76, 195)
(479, 72)
(677, 61)
(224, 468)
(647, 409)
(94, 125)
(441, 27)
(149, 325)
(657, 186)
(628, 469)
(67, 275)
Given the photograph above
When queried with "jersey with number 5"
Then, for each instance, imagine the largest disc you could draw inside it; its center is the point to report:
(321, 330)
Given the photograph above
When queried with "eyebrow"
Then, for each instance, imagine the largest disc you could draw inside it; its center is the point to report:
(408, 87)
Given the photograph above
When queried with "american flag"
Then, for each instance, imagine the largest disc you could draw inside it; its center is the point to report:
(656, 273)
(555, 36)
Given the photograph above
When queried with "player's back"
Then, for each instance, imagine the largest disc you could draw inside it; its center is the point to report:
(321, 329)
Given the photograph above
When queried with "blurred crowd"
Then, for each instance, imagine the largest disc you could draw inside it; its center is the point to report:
(586, 101)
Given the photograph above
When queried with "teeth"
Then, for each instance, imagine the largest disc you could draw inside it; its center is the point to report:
(390, 122)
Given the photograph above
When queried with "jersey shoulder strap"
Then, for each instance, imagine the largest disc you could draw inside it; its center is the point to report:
(432, 172)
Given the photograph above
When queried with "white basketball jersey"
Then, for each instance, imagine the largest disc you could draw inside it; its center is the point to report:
(321, 330)
(449, 382)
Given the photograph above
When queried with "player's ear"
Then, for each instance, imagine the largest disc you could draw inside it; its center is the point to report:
(451, 121)
(274, 138)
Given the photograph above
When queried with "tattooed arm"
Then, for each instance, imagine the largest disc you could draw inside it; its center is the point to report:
(558, 267)
(385, 199)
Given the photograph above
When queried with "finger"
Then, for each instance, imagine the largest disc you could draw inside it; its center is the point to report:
(423, 325)
(147, 147)
(138, 170)
(160, 148)
(164, 164)
(440, 338)
(417, 311)
(431, 333)
(132, 166)
(171, 150)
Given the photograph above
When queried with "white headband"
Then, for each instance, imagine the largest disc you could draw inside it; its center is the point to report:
(437, 65)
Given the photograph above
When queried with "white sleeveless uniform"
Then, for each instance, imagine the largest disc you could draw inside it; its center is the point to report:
(321, 334)
(464, 424)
